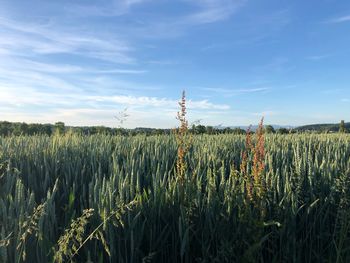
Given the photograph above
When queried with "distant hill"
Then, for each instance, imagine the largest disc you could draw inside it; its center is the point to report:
(334, 127)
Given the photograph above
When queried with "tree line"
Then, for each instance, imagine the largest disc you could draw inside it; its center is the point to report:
(22, 128)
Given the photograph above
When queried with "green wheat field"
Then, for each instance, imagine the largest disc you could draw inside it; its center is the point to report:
(101, 198)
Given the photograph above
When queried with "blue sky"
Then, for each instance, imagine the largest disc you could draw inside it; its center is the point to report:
(84, 61)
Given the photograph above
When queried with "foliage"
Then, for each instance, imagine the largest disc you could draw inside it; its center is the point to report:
(342, 128)
(59, 128)
(269, 129)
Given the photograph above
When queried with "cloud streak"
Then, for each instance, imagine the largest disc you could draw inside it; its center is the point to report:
(35, 39)
(106, 9)
(318, 57)
(338, 20)
(233, 92)
(201, 12)
(78, 97)
(212, 11)
(144, 101)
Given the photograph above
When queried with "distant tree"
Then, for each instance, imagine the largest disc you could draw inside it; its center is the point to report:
(198, 129)
(342, 127)
(238, 131)
(5, 128)
(35, 128)
(227, 130)
(79, 130)
(24, 128)
(17, 129)
(209, 130)
(103, 130)
(47, 128)
(120, 131)
(269, 129)
(158, 131)
(59, 127)
(293, 131)
(282, 131)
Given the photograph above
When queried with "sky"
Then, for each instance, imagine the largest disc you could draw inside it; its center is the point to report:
(84, 62)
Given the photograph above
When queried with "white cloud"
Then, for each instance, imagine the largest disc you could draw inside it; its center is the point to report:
(19, 38)
(206, 105)
(27, 79)
(144, 101)
(200, 12)
(118, 71)
(212, 11)
(340, 19)
(136, 118)
(19, 64)
(148, 114)
(25, 97)
(233, 92)
(317, 57)
(21, 87)
(105, 8)
(207, 11)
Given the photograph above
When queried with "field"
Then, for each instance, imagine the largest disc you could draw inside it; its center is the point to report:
(108, 198)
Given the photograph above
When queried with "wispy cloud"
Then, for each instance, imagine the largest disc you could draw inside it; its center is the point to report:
(200, 12)
(277, 64)
(61, 94)
(345, 100)
(340, 19)
(318, 57)
(19, 38)
(34, 79)
(332, 91)
(164, 62)
(33, 73)
(232, 92)
(106, 9)
(207, 11)
(211, 11)
(144, 101)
